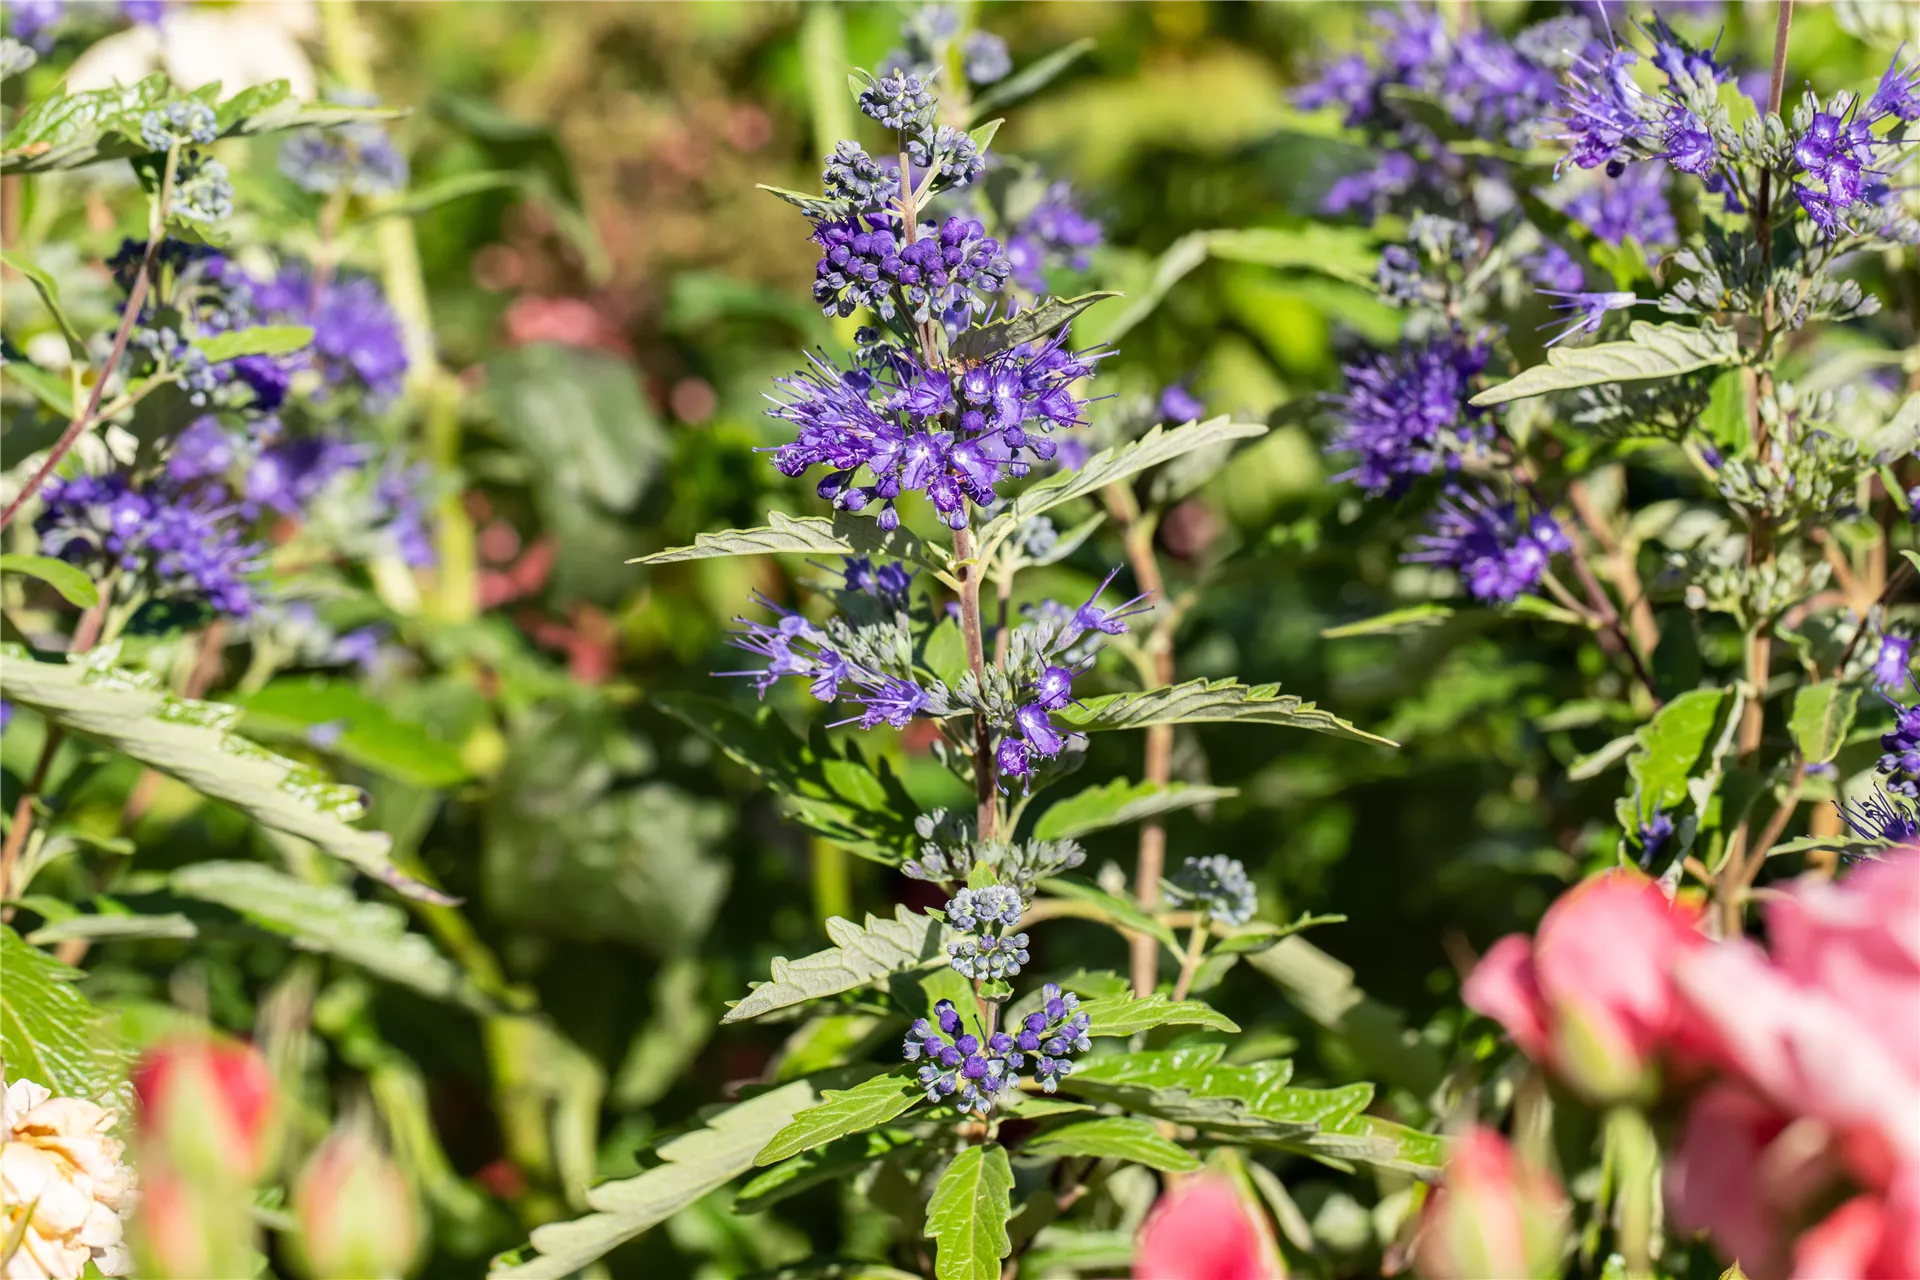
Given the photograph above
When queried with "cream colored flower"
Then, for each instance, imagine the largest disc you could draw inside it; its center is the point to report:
(64, 1187)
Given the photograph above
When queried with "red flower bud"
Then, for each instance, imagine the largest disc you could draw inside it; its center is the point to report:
(357, 1216)
(187, 1229)
(207, 1107)
(1493, 1215)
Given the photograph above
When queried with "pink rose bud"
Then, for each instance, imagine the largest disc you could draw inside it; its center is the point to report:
(1203, 1230)
(1494, 1215)
(357, 1216)
(206, 1106)
(188, 1229)
(1592, 994)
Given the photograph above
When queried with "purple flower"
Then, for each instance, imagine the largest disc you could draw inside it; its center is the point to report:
(144, 13)
(1901, 763)
(357, 338)
(1483, 539)
(1602, 111)
(203, 451)
(1405, 412)
(1654, 834)
(1836, 157)
(1898, 93)
(1178, 404)
(184, 543)
(1880, 817)
(1588, 309)
(1633, 204)
(32, 21)
(1681, 60)
(357, 156)
(1552, 267)
(407, 529)
(1037, 728)
(1892, 668)
(985, 57)
(1056, 233)
(1013, 759)
(290, 473)
(892, 701)
(1054, 689)
(1091, 617)
(1688, 143)
(1372, 189)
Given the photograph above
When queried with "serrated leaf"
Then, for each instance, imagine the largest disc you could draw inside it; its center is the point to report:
(695, 1164)
(1031, 78)
(1652, 351)
(824, 207)
(131, 713)
(1416, 617)
(260, 340)
(326, 918)
(49, 292)
(69, 580)
(1124, 1015)
(845, 1111)
(1188, 1084)
(1030, 325)
(357, 727)
(1119, 802)
(1822, 718)
(1115, 910)
(1209, 701)
(860, 955)
(809, 1169)
(1252, 939)
(113, 927)
(1109, 466)
(844, 535)
(967, 1216)
(49, 1034)
(1116, 1137)
(1345, 253)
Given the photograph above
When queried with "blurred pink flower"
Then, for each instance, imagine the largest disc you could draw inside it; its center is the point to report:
(1203, 1230)
(1591, 995)
(1867, 1238)
(1493, 1215)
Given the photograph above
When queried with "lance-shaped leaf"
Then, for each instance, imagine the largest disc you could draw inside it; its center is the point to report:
(1652, 351)
(1115, 910)
(327, 918)
(43, 284)
(49, 1034)
(1109, 466)
(260, 340)
(695, 1164)
(1189, 1085)
(1345, 253)
(1822, 718)
(831, 1163)
(1199, 701)
(1030, 325)
(69, 580)
(1115, 1137)
(967, 1216)
(103, 926)
(1671, 748)
(1031, 78)
(130, 712)
(825, 207)
(1124, 1015)
(859, 956)
(1415, 617)
(844, 535)
(844, 1111)
(1116, 803)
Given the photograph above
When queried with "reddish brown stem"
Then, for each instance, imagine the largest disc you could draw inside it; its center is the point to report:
(985, 781)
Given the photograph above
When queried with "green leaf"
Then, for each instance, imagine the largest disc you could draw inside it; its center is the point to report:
(1115, 1137)
(1189, 1085)
(967, 1216)
(1124, 1015)
(357, 726)
(982, 135)
(192, 741)
(1345, 253)
(1377, 1034)
(1653, 351)
(447, 190)
(1117, 911)
(1822, 718)
(694, 1164)
(1249, 939)
(813, 206)
(113, 927)
(1119, 802)
(329, 919)
(53, 392)
(1108, 467)
(845, 1111)
(1209, 701)
(1031, 78)
(1416, 617)
(261, 340)
(1673, 746)
(1030, 325)
(860, 955)
(49, 292)
(49, 1034)
(69, 580)
(844, 535)
(831, 1163)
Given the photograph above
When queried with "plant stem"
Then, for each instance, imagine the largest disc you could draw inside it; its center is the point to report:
(23, 812)
(1190, 960)
(129, 316)
(985, 782)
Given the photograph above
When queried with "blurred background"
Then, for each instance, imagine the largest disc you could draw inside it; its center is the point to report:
(606, 324)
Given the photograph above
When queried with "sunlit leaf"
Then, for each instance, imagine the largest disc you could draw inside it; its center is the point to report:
(1653, 351)
(860, 955)
(1204, 701)
(1119, 802)
(967, 1216)
(1114, 1137)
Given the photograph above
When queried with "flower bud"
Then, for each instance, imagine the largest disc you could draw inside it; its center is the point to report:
(1493, 1215)
(206, 1107)
(188, 1229)
(357, 1216)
